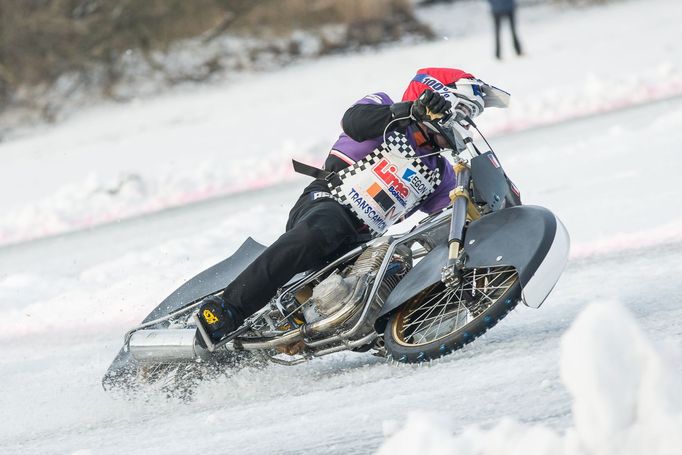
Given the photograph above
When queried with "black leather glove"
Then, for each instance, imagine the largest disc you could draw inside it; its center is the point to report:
(429, 106)
(400, 112)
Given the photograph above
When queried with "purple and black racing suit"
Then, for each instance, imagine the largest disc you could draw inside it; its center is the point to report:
(319, 228)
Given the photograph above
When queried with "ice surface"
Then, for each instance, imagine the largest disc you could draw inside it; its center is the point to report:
(625, 401)
(66, 301)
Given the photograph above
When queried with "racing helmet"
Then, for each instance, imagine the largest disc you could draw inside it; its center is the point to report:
(462, 89)
(468, 96)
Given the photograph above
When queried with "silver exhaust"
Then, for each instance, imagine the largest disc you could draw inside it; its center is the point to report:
(165, 346)
(180, 345)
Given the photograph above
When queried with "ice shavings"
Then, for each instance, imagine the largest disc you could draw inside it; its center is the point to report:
(625, 401)
(425, 434)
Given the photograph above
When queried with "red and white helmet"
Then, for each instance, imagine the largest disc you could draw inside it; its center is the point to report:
(469, 97)
(466, 93)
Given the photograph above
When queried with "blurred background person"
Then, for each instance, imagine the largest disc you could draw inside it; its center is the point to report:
(504, 9)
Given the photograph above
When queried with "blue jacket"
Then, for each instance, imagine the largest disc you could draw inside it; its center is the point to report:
(502, 6)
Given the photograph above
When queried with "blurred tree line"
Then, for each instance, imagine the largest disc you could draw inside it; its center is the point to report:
(521, 2)
(43, 39)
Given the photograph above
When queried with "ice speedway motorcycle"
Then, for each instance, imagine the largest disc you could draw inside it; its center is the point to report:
(409, 297)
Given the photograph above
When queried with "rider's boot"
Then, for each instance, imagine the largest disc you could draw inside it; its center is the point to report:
(217, 317)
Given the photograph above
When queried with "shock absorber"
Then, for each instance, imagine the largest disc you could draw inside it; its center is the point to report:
(462, 209)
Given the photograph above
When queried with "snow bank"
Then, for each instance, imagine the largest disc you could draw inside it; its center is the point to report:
(99, 199)
(621, 242)
(118, 161)
(625, 401)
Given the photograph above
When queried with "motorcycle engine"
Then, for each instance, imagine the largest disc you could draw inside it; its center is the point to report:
(338, 289)
(329, 296)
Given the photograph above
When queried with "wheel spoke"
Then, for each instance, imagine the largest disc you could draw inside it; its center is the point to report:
(426, 303)
(421, 321)
(440, 310)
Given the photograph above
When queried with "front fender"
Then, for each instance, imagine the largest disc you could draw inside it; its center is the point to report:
(424, 274)
(529, 238)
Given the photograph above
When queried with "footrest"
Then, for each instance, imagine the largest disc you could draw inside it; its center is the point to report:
(211, 346)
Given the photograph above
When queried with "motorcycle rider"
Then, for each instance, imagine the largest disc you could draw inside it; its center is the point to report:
(361, 190)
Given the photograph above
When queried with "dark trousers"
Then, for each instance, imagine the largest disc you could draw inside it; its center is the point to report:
(317, 231)
(497, 17)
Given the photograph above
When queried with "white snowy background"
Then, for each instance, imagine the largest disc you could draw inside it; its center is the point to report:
(593, 133)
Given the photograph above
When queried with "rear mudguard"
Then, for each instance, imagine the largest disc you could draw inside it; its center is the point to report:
(529, 238)
(210, 281)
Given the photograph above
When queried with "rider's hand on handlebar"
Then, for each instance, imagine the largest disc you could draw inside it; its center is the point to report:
(430, 106)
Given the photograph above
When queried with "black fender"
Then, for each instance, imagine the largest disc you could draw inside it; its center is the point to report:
(424, 274)
(529, 238)
(210, 281)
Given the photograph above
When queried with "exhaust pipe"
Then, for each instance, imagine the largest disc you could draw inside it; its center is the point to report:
(313, 329)
(180, 345)
(165, 346)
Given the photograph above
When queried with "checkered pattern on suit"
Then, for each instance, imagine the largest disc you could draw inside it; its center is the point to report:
(395, 143)
(399, 143)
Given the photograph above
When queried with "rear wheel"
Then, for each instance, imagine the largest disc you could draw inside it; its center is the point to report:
(440, 320)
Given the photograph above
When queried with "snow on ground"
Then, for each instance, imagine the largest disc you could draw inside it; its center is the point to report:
(117, 161)
(66, 301)
(587, 178)
(625, 401)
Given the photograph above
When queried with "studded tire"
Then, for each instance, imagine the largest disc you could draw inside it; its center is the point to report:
(461, 315)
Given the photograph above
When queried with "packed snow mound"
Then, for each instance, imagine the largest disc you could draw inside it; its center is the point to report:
(625, 401)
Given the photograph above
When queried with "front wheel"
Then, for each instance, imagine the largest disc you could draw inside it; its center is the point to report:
(440, 320)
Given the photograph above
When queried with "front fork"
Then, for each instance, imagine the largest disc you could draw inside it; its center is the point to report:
(462, 209)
